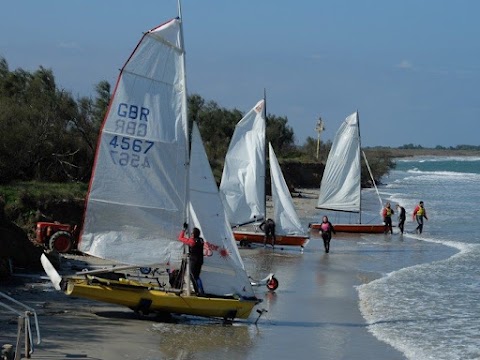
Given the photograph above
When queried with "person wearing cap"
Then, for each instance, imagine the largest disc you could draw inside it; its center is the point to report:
(419, 214)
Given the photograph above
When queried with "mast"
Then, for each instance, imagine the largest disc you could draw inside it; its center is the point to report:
(265, 155)
(360, 165)
(184, 109)
(187, 153)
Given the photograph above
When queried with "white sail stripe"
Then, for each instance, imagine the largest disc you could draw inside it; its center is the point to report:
(130, 204)
(125, 71)
(165, 42)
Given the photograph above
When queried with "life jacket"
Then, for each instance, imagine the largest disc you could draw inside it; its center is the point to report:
(421, 211)
(196, 251)
(325, 226)
(388, 212)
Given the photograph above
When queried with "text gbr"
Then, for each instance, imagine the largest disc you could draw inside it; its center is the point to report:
(133, 120)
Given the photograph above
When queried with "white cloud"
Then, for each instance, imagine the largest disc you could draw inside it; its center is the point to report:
(405, 64)
(68, 45)
(316, 56)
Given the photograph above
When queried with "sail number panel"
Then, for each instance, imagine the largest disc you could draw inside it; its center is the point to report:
(130, 152)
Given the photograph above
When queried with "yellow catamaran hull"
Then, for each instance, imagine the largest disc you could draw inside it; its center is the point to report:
(146, 298)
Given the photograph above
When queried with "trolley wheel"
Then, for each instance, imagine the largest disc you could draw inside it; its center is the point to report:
(272, 284)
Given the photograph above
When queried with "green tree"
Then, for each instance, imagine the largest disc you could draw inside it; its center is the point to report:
(280, 134)
(38, 120)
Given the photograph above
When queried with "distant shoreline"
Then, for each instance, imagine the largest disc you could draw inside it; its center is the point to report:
(396, 152)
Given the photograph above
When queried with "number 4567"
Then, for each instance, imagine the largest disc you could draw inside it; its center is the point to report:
(126, 143)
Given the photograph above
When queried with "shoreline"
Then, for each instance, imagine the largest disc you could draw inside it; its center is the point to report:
(79, 328)
(316, 308)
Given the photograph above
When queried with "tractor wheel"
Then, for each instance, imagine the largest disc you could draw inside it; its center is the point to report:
(61, 241)
(272, 284)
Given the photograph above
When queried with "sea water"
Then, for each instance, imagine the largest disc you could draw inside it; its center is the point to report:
(431, 310)
(416, 292)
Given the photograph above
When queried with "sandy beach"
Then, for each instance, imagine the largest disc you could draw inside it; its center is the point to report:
(313, 314)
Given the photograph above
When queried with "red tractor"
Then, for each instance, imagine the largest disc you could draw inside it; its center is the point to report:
(56, 236)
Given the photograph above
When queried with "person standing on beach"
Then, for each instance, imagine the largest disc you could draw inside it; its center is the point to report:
(401, 217)
(418, 214)
(195, 243)
(387, 218)
(268, 226)
(326, 229)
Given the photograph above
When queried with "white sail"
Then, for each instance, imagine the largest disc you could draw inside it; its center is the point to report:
(137, 198)
(242, 187)
(285, 215)
(340, 187)
(223, 271)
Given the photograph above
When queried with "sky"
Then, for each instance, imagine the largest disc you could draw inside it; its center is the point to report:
(411, 68)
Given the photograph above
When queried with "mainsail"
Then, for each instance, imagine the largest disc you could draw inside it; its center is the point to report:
(242, 187)
(137, 198)
(285, 215)
(340, 187)
(223, 271)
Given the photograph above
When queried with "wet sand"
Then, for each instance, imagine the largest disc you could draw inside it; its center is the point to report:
(313, 314)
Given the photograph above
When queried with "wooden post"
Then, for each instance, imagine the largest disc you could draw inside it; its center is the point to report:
(319, 128)
(20, 324)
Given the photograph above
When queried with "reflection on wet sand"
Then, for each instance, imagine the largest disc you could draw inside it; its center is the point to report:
(190, 340)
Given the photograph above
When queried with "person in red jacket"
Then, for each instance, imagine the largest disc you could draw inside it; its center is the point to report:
(387, 218)
(419, 214)
(195, 243)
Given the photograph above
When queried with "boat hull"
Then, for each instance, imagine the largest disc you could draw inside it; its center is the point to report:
(355, 228)
(142, 297)
(246, 237)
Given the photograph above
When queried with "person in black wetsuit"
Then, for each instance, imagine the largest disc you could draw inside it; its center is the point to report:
(326, 229)
(195, 243)
(268, 226)
(401, 217)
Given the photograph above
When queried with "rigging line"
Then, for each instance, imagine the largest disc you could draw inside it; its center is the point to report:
(373, 180)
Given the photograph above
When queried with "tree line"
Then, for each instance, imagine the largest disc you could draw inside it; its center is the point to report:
(48, 135)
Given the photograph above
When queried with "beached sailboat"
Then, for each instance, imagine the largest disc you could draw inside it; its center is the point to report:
(205, 198)
(242, 187)
(340, 189)
(140, 195)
